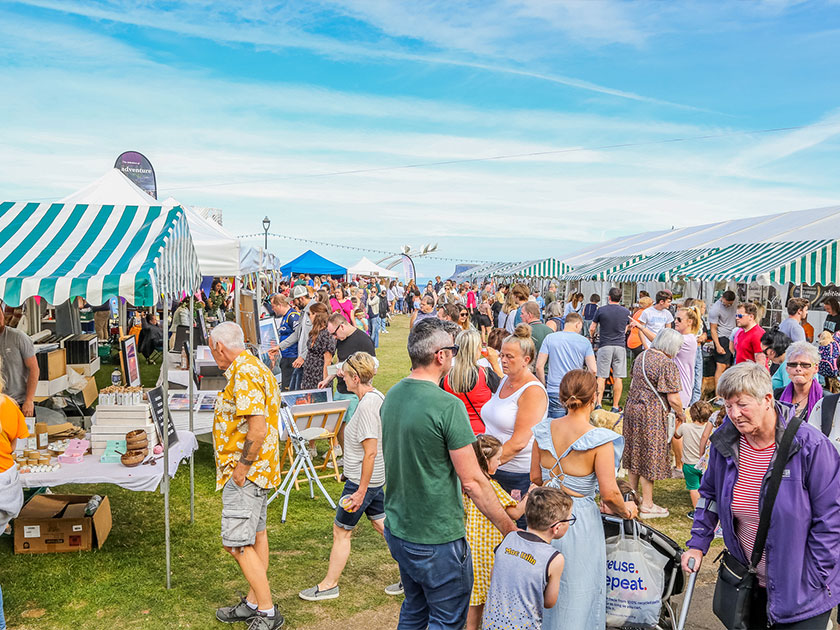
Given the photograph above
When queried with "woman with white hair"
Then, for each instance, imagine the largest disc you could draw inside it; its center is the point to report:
(804, 391)
(654, 393)
(794, 578)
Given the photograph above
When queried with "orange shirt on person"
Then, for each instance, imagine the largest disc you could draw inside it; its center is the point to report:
(12, 427)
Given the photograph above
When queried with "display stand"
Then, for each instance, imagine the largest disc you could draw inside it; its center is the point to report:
(327, 418)
(302, 462)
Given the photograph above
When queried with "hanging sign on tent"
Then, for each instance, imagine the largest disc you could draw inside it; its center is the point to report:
(139, 170)
(816, 294)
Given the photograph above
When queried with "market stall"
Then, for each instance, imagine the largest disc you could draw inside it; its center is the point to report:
(368, 268)
(141, 253)
(314, 264)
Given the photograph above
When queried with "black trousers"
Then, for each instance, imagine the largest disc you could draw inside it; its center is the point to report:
(286, 370)
(758, 616)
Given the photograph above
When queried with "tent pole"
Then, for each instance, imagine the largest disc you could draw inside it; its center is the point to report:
(190, 379)
(236, 290)
(165, 430)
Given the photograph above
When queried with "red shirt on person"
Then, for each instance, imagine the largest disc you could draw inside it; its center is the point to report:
(748, 344)
(474, 399)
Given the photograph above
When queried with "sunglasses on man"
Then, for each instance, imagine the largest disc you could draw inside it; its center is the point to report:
(453, 348)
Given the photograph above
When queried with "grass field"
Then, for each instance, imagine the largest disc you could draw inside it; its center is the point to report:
(122, 585)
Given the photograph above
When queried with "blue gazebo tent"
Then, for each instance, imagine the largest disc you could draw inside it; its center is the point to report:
(313, 264)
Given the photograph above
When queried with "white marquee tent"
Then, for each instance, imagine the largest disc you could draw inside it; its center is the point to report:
(218, 251)
(366, 267)
(798, 225)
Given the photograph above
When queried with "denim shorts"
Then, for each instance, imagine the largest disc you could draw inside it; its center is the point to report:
(373, 506)
(243, 513)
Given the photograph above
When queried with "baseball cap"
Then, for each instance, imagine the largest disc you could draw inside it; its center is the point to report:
(299, 291)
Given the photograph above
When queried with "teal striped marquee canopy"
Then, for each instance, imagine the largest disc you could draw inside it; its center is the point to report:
(600, 268)
(658, 267)
(58, 251)
(806, 262)
(540, 268)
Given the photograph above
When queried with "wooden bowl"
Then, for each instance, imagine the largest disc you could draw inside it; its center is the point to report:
(134, 458)
(136, 434)
(136, 445)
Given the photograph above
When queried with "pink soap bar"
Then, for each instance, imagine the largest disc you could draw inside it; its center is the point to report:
(75, 453)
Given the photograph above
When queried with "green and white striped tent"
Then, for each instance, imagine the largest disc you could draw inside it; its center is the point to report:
(545, 268)
(600, 268)
(58, 251)
(806, 262)
(659, 267)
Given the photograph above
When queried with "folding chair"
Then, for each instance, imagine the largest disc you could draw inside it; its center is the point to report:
(326, 416)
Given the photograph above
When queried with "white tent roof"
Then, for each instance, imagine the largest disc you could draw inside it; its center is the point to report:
(366, 267)
(112, 188)
(254, 259)
(217, 251)
(799, 225)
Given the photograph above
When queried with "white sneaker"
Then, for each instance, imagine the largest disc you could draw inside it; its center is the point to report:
(337, 450)
(313, 453)
(339, 461)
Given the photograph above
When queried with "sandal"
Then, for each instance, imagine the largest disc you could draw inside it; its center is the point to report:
(654, 511)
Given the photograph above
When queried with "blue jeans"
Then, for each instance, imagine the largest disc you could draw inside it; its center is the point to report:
(374, 327)
(382, 323)
(437, 580)
(555, 407)
(297, 377)
(698, 377)
(511, 481)
(2, 615)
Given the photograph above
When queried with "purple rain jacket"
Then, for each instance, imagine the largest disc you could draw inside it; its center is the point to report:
(803, 543)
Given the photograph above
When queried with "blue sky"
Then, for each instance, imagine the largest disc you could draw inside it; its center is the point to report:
(266, 98)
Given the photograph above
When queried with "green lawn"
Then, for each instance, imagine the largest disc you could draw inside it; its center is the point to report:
(122, 585)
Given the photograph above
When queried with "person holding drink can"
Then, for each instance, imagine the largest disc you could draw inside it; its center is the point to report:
(364, 470)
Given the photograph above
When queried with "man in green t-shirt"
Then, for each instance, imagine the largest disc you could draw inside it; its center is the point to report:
(429, 461)
(531, 316)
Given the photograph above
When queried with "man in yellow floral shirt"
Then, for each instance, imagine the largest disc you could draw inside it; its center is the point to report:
(247, 464)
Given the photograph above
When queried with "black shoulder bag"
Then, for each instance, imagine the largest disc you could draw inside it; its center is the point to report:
(735, 583)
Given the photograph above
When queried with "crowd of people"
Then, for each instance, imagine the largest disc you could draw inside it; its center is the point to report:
(487, 450)
(486, 469)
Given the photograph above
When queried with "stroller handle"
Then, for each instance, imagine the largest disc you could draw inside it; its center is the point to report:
(689, 591)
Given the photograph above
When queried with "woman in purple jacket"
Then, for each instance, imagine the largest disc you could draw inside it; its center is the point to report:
(799, 573)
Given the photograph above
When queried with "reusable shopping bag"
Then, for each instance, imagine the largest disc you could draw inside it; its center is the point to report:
(635, 580)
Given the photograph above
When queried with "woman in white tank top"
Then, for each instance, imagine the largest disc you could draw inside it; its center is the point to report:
(516, 407)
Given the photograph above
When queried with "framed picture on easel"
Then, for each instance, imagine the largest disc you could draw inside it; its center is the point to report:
(130, 363)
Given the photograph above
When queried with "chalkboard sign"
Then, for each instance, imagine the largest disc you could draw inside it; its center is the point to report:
(157, 404)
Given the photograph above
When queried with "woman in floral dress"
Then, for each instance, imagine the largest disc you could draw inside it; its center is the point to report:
(321, 348)
(654, 392)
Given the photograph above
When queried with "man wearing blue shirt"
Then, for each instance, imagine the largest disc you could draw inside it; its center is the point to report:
(288, 329)
(563, 351)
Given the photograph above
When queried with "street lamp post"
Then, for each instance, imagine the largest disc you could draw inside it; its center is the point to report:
(266, 224)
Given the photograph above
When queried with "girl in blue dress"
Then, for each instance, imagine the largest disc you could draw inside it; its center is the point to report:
(570, 454)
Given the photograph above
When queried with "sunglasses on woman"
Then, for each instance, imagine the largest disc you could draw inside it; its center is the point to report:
(804, 366)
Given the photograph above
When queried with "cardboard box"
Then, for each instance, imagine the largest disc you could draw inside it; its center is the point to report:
(55, 363)
(87, 369)
(90, 392)
(56, 523)
(45, 389)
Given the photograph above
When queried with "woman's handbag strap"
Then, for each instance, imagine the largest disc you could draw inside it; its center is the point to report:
(772, 490)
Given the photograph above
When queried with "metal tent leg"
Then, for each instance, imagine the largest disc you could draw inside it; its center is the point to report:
(165, 381)
(191, 381)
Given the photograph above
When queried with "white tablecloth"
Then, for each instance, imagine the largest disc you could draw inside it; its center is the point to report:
(140, 478)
